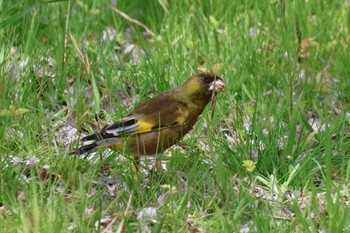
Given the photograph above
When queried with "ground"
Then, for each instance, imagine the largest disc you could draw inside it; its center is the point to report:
(273, 158)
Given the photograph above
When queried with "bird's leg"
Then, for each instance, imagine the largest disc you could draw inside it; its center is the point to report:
(136, 166)
(158, 163)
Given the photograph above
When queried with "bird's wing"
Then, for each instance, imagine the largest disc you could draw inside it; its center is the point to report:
(127, 126)
(153, 115)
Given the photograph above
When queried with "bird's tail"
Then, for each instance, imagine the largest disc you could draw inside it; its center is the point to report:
(84, 149)
(113, 143)
(92, 137)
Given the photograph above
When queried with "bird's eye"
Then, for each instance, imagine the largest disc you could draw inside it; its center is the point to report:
(206, 78)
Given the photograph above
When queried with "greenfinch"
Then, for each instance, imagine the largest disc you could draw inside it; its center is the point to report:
(160, 122)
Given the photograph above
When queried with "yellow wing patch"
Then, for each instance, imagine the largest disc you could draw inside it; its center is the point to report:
(142, 127)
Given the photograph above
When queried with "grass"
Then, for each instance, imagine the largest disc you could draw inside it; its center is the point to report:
(70, 67)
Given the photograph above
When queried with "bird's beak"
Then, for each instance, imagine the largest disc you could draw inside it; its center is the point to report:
(218, 85)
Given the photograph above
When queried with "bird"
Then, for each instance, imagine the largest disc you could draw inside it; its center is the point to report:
(158, 123)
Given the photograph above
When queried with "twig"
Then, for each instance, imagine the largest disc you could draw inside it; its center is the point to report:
(66, 33)
(134, 21)
(120, 226)
(213, 99)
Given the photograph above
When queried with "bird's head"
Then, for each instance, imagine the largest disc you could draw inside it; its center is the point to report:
(202, 85)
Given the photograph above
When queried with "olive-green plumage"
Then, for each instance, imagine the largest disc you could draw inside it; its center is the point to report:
(161, 121)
